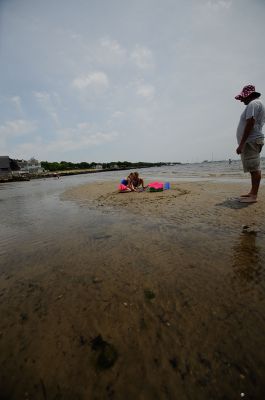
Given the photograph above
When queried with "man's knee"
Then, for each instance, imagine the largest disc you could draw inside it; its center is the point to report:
(256, 174)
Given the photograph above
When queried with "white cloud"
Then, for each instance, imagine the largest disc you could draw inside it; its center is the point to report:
(219, 4)
(94, 139)
(97, 80)
(107, 52)
(16, 100)
(46, 101)
(25, 150)
(113, 46)
(76, 36)
(146, 91)
(18, 127)
(142, 57)
(118, 114)
(83, 135)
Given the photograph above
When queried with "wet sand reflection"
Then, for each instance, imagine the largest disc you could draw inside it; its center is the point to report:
(247, 259)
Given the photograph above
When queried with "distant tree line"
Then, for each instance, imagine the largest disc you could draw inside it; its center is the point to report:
(64, 165)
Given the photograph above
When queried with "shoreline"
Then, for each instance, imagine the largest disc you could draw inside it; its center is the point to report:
(56, 174)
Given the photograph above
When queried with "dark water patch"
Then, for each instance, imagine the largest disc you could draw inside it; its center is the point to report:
(107, 353)
(102, 237)
(234, 204)
(149, 294)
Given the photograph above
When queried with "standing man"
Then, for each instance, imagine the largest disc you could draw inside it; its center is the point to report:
(250, 138)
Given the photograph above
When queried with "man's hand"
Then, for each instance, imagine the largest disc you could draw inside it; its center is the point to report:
(239, 149)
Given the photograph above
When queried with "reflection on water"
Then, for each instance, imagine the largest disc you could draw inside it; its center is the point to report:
(247, 259)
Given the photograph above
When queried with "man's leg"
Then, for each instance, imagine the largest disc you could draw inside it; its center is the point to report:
(251, 160)
(255, 182)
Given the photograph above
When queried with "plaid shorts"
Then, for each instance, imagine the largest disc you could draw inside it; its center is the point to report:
(251, 156)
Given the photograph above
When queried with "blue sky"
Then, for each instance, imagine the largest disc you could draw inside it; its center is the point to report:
(139, 80)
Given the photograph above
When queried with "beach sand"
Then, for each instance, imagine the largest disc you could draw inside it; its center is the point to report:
(166, 303)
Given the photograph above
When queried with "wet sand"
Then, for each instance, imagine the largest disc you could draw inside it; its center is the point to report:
(167, 302)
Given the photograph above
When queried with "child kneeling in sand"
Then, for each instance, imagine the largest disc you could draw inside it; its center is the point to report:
(137, 182)
(133, 183)
(126, 185)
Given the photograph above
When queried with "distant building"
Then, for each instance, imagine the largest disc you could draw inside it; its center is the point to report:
(97, 166)
(5, 168)
(31, 166)
(8, 167)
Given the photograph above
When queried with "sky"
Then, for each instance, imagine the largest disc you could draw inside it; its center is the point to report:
(134, 80)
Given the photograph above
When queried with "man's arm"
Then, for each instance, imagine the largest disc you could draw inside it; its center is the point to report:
(248, 128)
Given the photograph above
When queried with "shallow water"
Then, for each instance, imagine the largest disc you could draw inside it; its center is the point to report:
(70, 273)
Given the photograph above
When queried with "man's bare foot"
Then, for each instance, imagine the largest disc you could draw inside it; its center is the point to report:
(249, 199)
(246, 195)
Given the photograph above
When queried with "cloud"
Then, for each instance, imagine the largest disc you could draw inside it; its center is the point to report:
(219, 4)
(98, 81)
(112, 46)
(16, 100)
(94, 139)
(118, 114)
(18, 127)
(142, 57)
(83, 135)
(76, 36)
(109, 53)
(29, 149)
(68, 140)
(146, 91)
(46, 101)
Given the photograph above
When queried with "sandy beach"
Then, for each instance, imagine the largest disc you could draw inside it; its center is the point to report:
(206, 203)
(167, 302)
